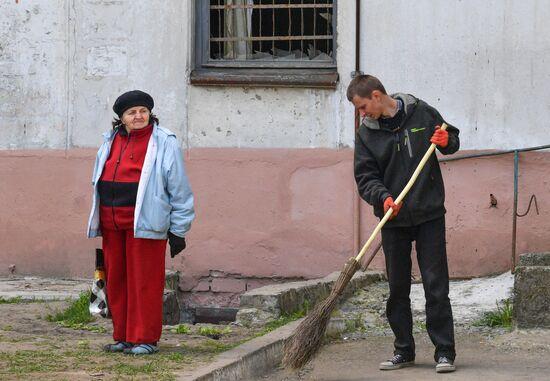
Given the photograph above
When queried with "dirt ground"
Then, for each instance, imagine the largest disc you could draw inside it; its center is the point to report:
(483, 353)
(487, 356)
(33, 348)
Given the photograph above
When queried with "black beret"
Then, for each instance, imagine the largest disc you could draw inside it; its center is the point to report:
(131, 99)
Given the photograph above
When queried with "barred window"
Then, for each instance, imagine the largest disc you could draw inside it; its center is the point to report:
(264, 34)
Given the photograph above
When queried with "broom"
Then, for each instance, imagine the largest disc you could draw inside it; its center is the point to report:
(307, 338)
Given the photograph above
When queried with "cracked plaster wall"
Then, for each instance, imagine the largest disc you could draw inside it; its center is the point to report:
(63, 63)
(33, 86)
(482, 64)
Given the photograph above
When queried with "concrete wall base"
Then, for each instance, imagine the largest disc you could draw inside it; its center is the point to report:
(532, 291)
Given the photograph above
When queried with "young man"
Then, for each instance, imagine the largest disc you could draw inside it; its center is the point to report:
(396, 132)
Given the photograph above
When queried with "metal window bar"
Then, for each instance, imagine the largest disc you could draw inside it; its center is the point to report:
(302, 30)
(289, 28)
(272, 28)
(260, 27)
(227, 38)
(220, 51)
(314, 29)
(270, 6)
(328, 27)
(269, 38)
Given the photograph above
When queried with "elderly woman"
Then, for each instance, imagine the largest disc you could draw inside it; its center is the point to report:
(141, 197)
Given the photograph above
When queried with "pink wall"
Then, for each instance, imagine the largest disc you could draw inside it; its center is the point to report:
(262, 215)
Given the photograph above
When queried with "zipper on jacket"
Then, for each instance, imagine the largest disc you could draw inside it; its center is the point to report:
(114, 176)
(396, 138)
(408, 143)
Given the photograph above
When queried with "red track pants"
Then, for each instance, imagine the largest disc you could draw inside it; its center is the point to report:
(135, 285)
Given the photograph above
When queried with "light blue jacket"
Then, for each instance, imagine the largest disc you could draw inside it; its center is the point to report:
(164, 199)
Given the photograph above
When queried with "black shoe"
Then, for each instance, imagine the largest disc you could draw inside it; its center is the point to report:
(396, 362)
(445, 365)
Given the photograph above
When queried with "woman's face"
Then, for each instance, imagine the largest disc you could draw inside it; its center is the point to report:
(135, 118)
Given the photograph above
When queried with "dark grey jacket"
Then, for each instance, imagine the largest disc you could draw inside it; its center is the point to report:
(385, 160)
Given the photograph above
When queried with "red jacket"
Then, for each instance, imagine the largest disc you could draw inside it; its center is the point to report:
(119, 181)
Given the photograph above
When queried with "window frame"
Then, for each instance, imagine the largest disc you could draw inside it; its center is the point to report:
(248, 72)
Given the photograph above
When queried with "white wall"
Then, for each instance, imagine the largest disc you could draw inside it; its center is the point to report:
(88, 52)
(62, 67)
(62, 64)
(126, 45)
(33, 86)
(279, 117)
(483, 64)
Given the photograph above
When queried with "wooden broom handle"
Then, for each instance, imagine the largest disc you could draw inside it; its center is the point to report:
(399, 198)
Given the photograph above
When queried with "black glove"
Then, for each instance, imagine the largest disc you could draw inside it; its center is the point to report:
(177, 244)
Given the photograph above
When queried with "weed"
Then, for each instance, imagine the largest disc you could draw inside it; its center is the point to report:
(182, 329)
(176, 356)
(213, 332)
(354, 324)
(77, 315)
(350, 325)
(211, 347)
(421, 325)
(21, 362)
(83, 327)
(501, 317)
(35, 364)
(155, 368)
(14, 300)
(284, 320)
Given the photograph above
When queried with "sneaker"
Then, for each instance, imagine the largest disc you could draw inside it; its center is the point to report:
(445, 365)
(119, 346)
(142, 349)
(396, 362)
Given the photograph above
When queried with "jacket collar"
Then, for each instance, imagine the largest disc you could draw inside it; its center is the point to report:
(110, 135)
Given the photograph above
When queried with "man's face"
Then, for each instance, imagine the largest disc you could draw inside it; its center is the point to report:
(368, 107)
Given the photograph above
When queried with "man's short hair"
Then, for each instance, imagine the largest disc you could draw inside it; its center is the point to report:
(363, 86)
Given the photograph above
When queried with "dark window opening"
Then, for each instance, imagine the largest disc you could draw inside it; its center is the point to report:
(271, 30)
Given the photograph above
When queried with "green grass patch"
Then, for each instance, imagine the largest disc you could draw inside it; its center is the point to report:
(501, 317)
(24, 363)
(421, 325)
(210, 347)
(28, 361)
(284, 320)
(214, 332)
(182, 329)
(158, 366)
(355, 324)
(153, 367)
(14, 300)
(83, 327)
(76, 315)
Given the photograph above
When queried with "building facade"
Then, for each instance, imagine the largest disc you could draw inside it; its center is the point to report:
(255, 92)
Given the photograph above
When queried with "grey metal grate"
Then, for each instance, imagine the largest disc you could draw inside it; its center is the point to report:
(271, 31)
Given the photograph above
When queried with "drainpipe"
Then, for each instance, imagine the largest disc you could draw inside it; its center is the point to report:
(515, 216)
(356, 198)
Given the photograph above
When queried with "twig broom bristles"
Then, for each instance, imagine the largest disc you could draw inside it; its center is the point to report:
(307, 338)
